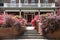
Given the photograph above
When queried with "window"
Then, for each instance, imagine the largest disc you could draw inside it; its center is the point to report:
(13, 1)
(46, 1)
(1, 2)
(25, 1)
(32, 1)
(55, 0)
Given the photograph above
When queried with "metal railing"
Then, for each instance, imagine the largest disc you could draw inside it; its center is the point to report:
(30, 5)
(11, 5)
(45, 5)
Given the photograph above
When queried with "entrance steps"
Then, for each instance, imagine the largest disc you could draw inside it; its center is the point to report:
(31, 34)
(28, 24)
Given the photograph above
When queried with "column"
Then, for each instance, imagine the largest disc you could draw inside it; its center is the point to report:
(4, 17)
(54, 12)
(39, 13)
(4, 12)
(19, 3)
(32, 16)
(20, 12)
(38, 3)
(24, 15)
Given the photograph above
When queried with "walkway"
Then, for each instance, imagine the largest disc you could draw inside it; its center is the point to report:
(30, 33)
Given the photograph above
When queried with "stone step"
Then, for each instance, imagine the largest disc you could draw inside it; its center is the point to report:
(27, 39)
(28, 24)
(30, 32)
(29, 28)
(31, 35)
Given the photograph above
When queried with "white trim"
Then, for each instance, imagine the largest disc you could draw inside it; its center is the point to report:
(4, 12)
(29, 10)
(39, 3)
(46, 10)
(20, 12)
(12, 10)
(11, 1)
(19, 3)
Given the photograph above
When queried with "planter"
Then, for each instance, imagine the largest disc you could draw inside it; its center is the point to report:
(10, 32)
(50, 27)
(55, 34)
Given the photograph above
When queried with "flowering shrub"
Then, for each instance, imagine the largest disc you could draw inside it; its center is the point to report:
(1, 19)
(21, 20)
(10, 27)
(9, 21)
(52, 24)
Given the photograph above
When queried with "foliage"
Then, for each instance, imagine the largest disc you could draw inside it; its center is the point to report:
(9, 21)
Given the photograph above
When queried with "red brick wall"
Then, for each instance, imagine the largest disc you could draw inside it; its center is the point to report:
(17, 1)
(29, 1)
(22, 1)
(8, 1)
(50, 1)
(36, 1)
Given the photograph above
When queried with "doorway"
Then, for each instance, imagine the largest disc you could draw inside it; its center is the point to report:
(29, 16)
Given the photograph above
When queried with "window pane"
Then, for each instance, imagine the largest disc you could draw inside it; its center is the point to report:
(1, 4)
(13, 1)
(32, 1)
(46, 1)
(1, 1)
(25, 1)
(55, 0)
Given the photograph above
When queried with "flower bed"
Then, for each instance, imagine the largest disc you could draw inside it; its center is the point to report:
(49, 26)
(53, 27)
(10, 26)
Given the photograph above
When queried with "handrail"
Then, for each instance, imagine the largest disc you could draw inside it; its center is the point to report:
(29, 5)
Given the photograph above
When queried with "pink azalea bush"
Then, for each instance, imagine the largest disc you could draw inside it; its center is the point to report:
(8, 21)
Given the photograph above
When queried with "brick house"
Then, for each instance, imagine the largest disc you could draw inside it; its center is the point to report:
(27, 8)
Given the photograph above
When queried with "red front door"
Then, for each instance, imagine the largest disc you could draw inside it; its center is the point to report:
(29, 17)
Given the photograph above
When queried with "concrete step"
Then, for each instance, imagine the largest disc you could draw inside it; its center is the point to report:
(31, 35)
(29, 28)
(28, 24)
(30, 32)
(26, 39)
